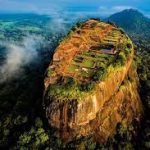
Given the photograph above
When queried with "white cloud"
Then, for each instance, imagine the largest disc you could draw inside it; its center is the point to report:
(18, 56)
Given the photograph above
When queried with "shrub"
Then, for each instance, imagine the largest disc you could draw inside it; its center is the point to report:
(20, 120)
(86, 87)
(127, 51)
(38, 122)
(35, 138)
(69, 81)
(121, 58)
(129, 46)
(99, 74)
(49, 72)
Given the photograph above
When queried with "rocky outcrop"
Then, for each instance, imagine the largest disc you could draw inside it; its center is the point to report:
(113, 100)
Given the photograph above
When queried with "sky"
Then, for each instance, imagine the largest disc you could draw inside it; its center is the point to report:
(100, 7)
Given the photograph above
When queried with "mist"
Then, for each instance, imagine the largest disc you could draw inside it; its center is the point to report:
(19, 55)
(61, 21)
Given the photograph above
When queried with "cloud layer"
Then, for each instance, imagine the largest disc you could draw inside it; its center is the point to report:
(18, 56)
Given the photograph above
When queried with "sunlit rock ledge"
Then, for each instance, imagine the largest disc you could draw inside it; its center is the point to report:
(91, 84)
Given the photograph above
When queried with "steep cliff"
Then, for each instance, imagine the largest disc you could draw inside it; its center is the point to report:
(91, 83)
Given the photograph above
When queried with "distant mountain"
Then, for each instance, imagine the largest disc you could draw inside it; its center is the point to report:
(132, 21)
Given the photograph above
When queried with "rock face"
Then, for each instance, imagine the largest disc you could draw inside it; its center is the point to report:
(92, 84)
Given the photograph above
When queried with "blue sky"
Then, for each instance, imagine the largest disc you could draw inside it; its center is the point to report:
(101, 7)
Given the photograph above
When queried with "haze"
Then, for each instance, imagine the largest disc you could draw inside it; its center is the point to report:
(99, 7)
